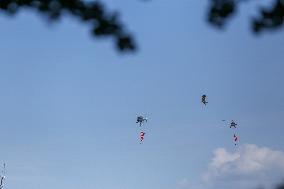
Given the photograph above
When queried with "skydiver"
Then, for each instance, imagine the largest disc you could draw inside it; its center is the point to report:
(203, 100)
(233, 124)
(2, 182)
(140, 120)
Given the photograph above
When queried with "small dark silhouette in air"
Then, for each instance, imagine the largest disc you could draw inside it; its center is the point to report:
(2, 177)
(233, 124)
(141, 120)
(203, 100)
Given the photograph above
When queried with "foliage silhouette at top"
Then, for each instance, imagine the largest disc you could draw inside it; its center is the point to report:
(104, 24)
(280, 186)
(221, 10)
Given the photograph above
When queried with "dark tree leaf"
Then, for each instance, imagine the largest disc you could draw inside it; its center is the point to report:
(221, 10)
(103, 23)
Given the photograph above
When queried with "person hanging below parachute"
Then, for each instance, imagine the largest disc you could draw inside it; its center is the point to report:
(233, 124)
(142, 134)
(141, 120)
(203, 99)
(2, 177)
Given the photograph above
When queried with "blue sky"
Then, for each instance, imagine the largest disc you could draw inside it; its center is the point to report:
(68, 102)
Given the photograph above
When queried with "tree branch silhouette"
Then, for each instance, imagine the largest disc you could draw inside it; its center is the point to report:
(107, 24)
(220, 11)
(104, 24)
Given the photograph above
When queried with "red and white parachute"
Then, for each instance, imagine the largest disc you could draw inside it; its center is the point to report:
(142, 134)
(236, 138)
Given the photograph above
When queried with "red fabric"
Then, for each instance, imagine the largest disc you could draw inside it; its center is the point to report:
(236, 138)
(142, 136)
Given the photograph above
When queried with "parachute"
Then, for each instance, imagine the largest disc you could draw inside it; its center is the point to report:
(236, 138)
(142, 134)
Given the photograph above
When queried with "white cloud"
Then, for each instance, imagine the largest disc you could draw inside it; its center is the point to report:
(247, 168)
(184, 183)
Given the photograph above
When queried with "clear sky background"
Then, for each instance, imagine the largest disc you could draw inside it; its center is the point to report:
(68, 102)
